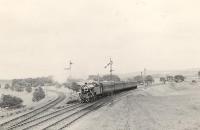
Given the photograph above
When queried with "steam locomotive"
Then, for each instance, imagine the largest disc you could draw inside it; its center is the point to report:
(91, 91)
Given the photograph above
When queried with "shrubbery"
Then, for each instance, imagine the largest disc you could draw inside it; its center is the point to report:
(108, 78)
(170, 78)
(149, 79)
(137, 79)
(194, 81)
(10, 101)
(33, 82)
(26, 84)
(140, 80)
(104, 78)
(28, 89)
(12, 88)
(179, 78)
(163, 79)
(38, 94)
(73, 85)
(19, 89)
(7, 86)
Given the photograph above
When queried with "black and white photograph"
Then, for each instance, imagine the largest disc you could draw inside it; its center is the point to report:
(99, 65)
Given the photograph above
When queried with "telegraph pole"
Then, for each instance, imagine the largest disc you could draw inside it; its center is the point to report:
(98, 78)
(144, 76)
(144, 72)
(111, 70)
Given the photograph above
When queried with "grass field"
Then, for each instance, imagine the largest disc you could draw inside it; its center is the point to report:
(174, 106)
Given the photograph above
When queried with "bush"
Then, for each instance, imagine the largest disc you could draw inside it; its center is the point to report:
(38, 95)
(179, 78)
(170, 78)
(108, 78)
(28, 89)
(19, 89)
(33, 82)
(94, 77)
(10, 101)
(162, 79)
(12, 88)
(7, 86)
(194, 81)
(149, 79)
(138, 79)
(73, 85)
(58, 85)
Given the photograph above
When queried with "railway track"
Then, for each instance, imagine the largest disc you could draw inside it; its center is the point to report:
(69, 119)
(44, 118)
(61, 118)
(64, 118)
(20, 119)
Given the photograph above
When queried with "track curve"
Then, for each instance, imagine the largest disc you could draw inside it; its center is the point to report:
(13, 122)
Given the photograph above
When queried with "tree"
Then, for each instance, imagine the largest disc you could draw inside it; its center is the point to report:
(28, 89)
(18, 88)
(33, 82)
(74, 86)
(12, 88)
(162, 79)
(70, 80)
(199, 74)
(109, 78)
(58, 85)
(7, 86)
(179, 78)
(94, 77)
(149, 79)
(10, 101)
(194, 81)
(138, 78)
(170, 78)
(38, 94)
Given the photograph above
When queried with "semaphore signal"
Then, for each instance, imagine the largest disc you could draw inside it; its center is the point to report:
(69, 68)
(111, 70)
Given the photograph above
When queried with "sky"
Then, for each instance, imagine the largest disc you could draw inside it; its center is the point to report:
(39, 37)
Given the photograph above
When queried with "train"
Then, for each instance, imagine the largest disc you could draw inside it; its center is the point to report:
(91, 91)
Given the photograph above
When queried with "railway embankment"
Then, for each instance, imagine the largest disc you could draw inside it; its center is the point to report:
(174, 106)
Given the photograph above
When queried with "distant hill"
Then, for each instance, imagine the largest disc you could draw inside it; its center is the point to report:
(156, 74)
